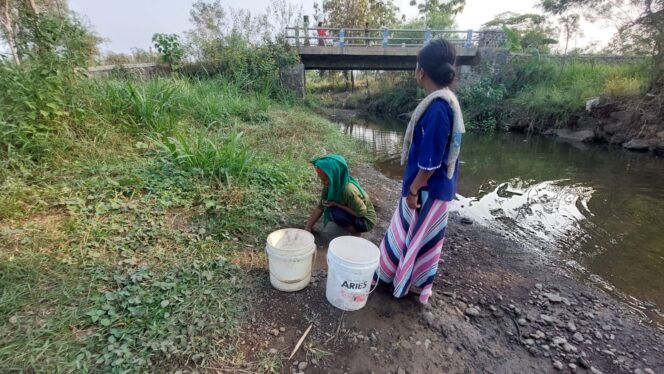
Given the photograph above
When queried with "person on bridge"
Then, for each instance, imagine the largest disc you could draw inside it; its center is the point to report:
(412, 246)
(322, 33)
(342, 201)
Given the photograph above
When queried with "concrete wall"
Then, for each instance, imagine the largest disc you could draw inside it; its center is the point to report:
(292, 78)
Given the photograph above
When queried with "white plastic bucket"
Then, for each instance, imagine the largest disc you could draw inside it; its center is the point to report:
(351, 263)
(290, 255)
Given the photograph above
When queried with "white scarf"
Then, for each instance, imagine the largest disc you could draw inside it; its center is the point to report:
(458, 127)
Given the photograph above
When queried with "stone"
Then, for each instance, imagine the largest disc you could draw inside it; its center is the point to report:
(648, 371)
(539, 286)
(594, 370)
(522, 321)
(576, 136)
(401, 371)
(538, 335)
(466, 221)
(13, 320)
(641, 145)
(275, 332)
(572, 366)
(427, 343)
(607, 327)
(273, 351)
(558, 365)
(624, 116)
(473, 312)
(558, 340)
(302, 365)
(569, 348)
(429, 318)
(578, 337)
(529, 342)
(553, 297)
(546, 318)
(638, 371)
(598, 334)
(571, 326)
(282, 329)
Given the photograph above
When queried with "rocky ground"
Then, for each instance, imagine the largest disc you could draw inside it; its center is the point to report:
(497, 308)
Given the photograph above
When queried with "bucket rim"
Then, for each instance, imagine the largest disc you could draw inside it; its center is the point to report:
(305, 245)
(372, 246)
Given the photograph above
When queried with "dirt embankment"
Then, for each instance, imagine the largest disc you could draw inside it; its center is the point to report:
(636, 124)
(497, 308)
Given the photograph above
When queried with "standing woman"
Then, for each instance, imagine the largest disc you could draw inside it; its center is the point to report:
(413, 243)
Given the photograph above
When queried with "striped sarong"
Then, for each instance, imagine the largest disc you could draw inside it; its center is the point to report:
(412, 246)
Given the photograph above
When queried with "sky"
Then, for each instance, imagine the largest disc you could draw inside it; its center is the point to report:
(131, 23)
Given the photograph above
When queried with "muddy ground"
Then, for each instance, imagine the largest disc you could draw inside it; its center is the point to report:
(497, 307)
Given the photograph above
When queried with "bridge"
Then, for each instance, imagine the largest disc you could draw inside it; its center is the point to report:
(381, 49)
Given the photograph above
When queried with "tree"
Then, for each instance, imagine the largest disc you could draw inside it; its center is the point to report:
(639, 23)
(571, 25)
(438, 14)
(355, 13)
(525, 31)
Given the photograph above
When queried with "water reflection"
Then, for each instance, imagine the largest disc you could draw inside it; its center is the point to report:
(600, 207)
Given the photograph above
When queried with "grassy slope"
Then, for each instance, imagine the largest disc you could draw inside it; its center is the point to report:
(121, 244)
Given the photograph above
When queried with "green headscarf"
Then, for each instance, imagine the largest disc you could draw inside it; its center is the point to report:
(336, 169)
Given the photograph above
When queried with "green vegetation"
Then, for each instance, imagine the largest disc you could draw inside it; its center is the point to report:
(121, 237)
(544, 93)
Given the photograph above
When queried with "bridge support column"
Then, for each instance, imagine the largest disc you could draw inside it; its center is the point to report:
(292, 78)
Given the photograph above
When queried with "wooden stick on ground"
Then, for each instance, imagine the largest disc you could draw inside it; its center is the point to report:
(299, 343)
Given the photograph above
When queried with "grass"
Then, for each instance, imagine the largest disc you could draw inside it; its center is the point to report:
(120, 241)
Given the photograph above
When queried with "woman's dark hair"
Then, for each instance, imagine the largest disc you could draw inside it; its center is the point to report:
(437, 59)
(320, 24)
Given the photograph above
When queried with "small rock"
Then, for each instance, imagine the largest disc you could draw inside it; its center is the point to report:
(275, 332)
(401, 371)
(553, 297)
(578, 337)
(273, 351)
(607, 327)
(522, 321)
(538, 335)
(282, 329)
(473, 312)
(558, 340)
(13, 320)
(539, 286)
(466, 221)
(429, 318)
(427, 343)
(572, 366)
(302, 365)
(648, 371)
(594, 370)
(558, 365)
(638, 371)
(598, 335)
(529, 342)
(546, 318)
(569, 348)
(571, 326)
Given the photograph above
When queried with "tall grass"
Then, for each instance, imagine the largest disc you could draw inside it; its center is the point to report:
(545, 93)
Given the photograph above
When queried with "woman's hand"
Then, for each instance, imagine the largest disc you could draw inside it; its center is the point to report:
(411, 201)
(330, 204)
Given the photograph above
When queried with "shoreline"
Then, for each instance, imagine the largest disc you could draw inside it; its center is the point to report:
(497, 307)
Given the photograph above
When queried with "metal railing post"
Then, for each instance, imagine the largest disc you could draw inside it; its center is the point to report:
(427, 36)
(297, 36)
(469, 39)
(386, 34)
(342, 38)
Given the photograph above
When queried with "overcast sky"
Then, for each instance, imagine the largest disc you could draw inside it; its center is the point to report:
(130, 23)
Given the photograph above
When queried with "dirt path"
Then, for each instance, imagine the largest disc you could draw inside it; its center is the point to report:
(497, 308)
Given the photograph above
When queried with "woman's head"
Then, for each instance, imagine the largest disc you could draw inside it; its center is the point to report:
(435, 62)
(324, 179)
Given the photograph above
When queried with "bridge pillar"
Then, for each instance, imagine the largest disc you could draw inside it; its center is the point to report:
(292, 78)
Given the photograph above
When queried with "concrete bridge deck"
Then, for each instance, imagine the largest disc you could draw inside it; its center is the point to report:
(371, 58)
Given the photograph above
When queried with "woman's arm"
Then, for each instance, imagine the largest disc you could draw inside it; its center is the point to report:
(420, 181)
(330, 204)
(313, 218)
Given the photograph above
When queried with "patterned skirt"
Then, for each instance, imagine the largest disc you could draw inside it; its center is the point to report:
(412, 246)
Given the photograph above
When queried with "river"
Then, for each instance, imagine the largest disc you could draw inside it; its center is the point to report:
(596, 208)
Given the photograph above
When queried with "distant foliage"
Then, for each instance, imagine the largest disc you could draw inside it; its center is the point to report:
(170, 48)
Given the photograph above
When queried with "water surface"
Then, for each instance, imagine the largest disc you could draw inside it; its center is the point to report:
(598, 208)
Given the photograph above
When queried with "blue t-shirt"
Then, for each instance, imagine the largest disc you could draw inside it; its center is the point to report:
(429, 151)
